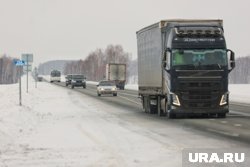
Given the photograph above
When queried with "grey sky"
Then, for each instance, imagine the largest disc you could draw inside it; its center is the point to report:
(70, 29)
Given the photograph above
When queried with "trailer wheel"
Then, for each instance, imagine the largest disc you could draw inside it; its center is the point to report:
(160, 111)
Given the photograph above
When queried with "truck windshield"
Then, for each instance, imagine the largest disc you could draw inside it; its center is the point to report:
(211, 58)
(55, 74)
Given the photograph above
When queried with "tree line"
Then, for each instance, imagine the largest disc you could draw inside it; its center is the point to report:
(94, 66)
(241, 73)
(9, 72)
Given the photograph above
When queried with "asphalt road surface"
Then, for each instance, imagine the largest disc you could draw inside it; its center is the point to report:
(235, 126)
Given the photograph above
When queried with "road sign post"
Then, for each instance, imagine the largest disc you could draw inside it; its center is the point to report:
(28, 58)
(20, 90)
(19, 63)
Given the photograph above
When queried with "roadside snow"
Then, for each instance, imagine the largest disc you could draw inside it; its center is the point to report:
(239, 93)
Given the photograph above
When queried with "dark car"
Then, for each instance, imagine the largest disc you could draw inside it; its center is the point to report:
(75, 80)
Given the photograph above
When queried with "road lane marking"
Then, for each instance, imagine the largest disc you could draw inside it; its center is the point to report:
(224, 122)
(129, 100)
(128, 94)
(238, 125)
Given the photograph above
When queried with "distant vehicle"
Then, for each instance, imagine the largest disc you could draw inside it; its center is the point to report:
(75, 80)
(39, 78)
(106, 87)
(116, 72)
(183, 68)
(55, 76)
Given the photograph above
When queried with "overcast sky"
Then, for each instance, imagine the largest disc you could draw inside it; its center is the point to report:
(70, 29)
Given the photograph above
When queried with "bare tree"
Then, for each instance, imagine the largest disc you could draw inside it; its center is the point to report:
(9, 73)
(241, 73)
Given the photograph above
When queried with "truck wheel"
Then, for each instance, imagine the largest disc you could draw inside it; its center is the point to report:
(72, 86)
(159, 110)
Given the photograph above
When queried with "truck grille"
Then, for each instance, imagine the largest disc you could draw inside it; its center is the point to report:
(199, 94)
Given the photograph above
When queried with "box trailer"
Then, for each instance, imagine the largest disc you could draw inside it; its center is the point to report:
(116, 72)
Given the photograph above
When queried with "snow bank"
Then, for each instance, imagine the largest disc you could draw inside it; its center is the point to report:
(240, 93)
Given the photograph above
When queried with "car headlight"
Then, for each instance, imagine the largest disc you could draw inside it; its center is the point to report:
(73, 81)
(113, 88)
(175, 100)
(100, 88)
(223, 100)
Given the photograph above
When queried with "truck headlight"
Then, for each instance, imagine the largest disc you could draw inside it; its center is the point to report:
(223, 100)
(73, 81)
(175, 100)
(114, 89)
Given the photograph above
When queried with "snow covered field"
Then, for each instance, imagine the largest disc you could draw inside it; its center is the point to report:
(61, 127)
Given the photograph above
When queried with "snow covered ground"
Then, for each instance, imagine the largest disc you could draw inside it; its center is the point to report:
(61, 127)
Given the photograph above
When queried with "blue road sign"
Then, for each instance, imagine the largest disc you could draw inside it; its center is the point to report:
(19, 62)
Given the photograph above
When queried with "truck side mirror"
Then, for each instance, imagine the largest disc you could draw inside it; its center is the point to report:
(232, 64)
(164, 64)
(231, 59)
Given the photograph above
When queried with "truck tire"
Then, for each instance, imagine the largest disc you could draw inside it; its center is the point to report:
(160, 111)
(148, 108)
(72, 86)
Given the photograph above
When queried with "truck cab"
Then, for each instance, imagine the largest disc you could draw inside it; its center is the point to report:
(197, 64)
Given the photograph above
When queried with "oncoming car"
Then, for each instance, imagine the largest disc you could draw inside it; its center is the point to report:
(75, 80)
(106, 87)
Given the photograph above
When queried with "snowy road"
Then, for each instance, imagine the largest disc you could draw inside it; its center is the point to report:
(66, 128)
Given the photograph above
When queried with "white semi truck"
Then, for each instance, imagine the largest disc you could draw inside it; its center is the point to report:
(183, 67)
(116, 72)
